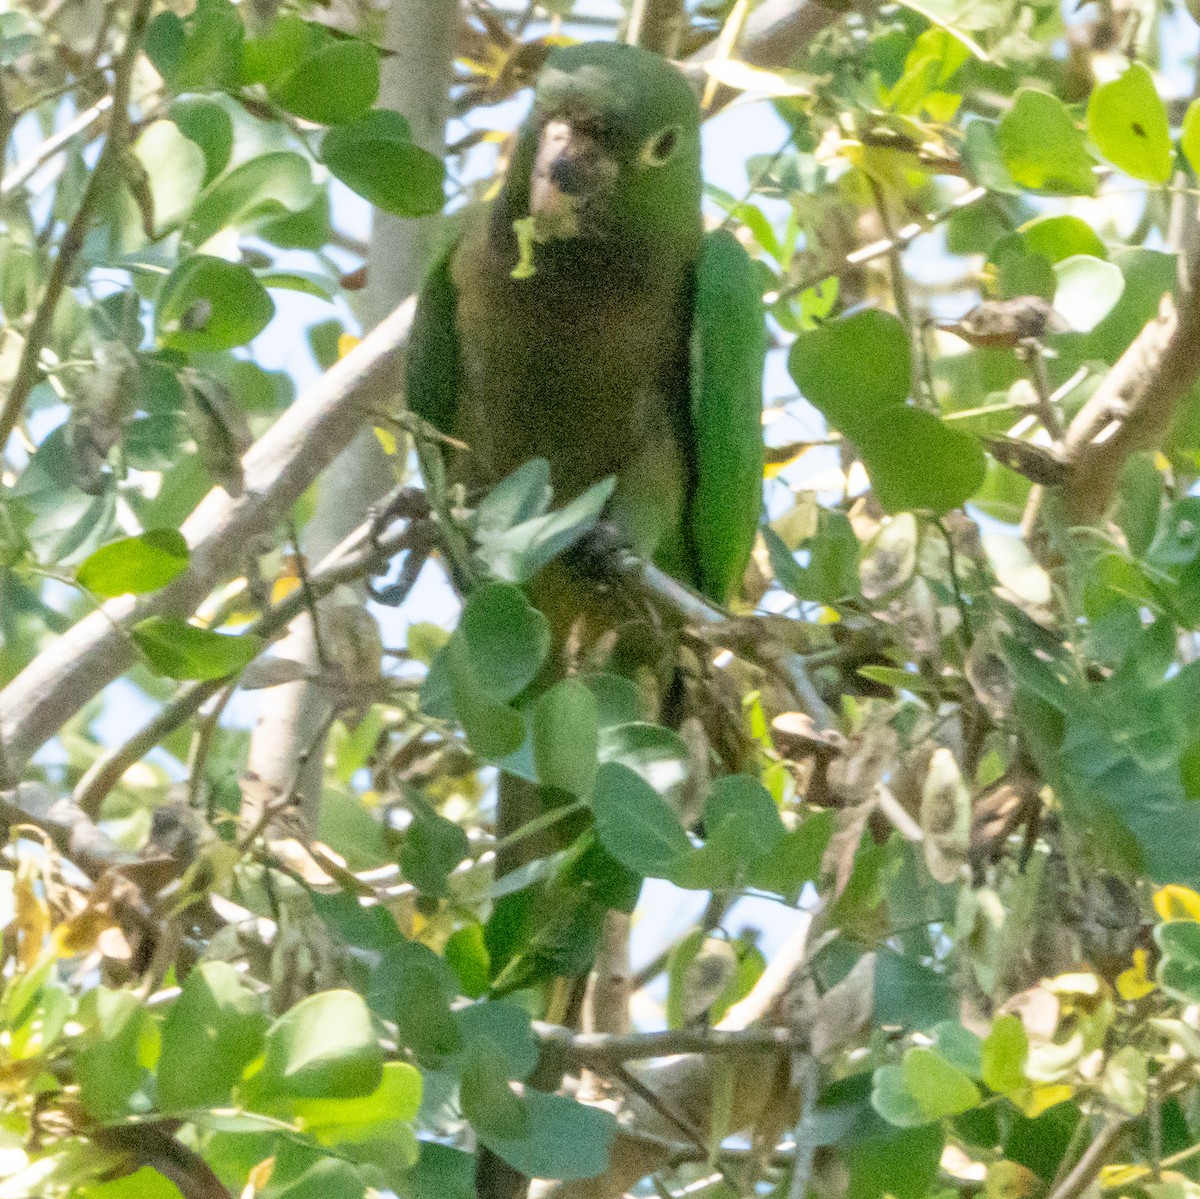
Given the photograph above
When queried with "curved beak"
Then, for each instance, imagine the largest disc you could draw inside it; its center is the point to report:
(572, 184)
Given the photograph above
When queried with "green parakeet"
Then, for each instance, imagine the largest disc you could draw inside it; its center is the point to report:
(584, 317)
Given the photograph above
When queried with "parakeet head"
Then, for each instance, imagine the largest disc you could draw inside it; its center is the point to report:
(611, 150)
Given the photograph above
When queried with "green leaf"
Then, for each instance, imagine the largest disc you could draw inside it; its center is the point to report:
(891, 1098)
(518, 497)
(442, 1173)
(208, 125)
(213, 1031)
(204, 52)
(796, 859)
(910, 994)
(109, 1069)
(282, 49)
(494, 729)
(337, 84)
(467, 955)
(341, 1121)
(209, 304)
(376, 157)
(518, 553)
(488, 1100)
(264, 188)
(658, 755)
(1087, 290)
(1061, 236)
(833, 554)
(566, 731)
(324, 1047)
(565, 1139)
(1125, 1080)
(134, 565)
(1179, 967)
(507, 1026)
(1189, 141)
(920, 463)
(1042, 148)
(423, 1016)
(145, 1183)
(175, 168)
(939, 1088)
(506, 639)
(854, 368)
(433, 846)
(1127, 122)
(634, 824)
(738, 799)
(182, 651)
(1005, 1049)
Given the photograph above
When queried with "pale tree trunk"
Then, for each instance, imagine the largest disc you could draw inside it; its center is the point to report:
(415, 81)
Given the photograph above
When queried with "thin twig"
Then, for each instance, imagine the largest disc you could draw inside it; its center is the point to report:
(601, 1051)
(72, 241)
(805, 1078)
(53, 144)
(1088, 1167)
(351, 560)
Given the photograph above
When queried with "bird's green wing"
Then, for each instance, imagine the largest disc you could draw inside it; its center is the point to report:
(433, 366)
(728, 348)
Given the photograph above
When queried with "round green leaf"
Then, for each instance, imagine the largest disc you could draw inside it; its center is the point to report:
(918, 462)
(324, 1047)
(1042, 148)
(175, 169)
(376, 157)
(493, 728)
(1189, 141)
(349, 1121)
(565, 732)
(213, 1031)
(281, 50)
(742, 801)
(264, 188)
(1005, 1049)
(488, 1100)
(940, 1089)
(1087, 290)
(893, 1101)
(183, 651)
(134, 565)
(1179, 968)
(1060, 236)
(853, 369)
(1127, 121)
(208, 125)
(209, 304)
(506, 639)
(336, 84)
(564, 1139)
(634, 824)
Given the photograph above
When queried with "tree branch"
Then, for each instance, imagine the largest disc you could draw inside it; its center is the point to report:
(1134, 405)
(356, 556)
(278, 468)
(72, 242)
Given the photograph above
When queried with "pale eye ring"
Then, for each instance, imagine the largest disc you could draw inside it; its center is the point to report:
(661, 148)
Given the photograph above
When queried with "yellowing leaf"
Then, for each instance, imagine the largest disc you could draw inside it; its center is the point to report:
(32, 918)
(283, 587)
(1039, 1099)
(1135, 983)
(346, 342)
(1176, 902)
(1120, 1175)
(387, 439)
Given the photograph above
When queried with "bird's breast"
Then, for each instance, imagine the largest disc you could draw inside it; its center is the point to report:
(585, 369)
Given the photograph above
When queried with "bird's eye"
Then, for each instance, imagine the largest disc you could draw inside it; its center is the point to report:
(661, 147)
